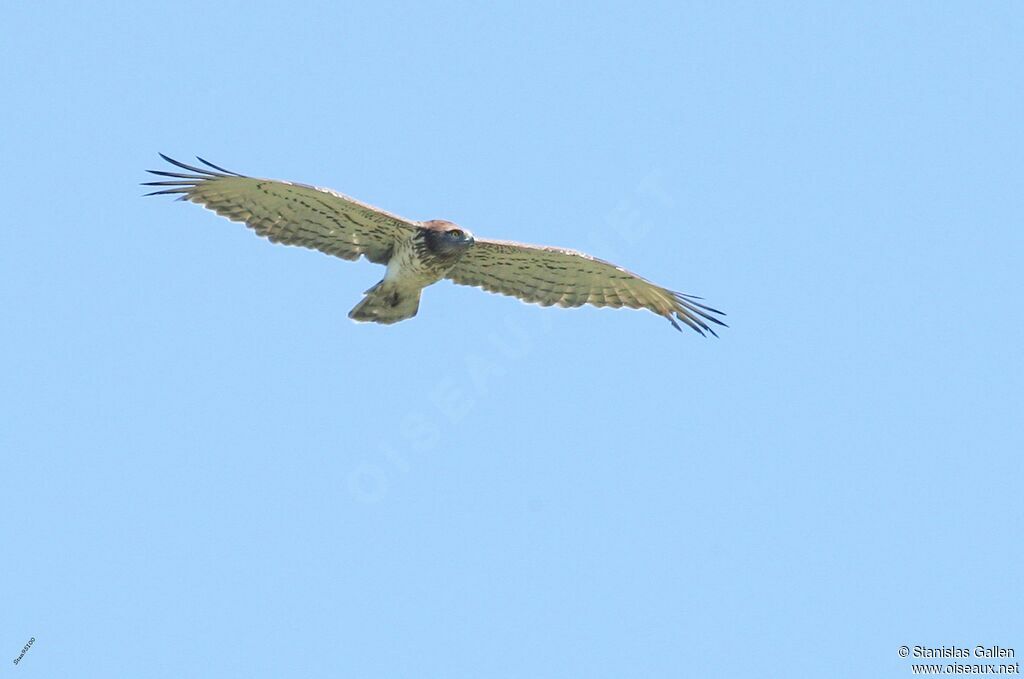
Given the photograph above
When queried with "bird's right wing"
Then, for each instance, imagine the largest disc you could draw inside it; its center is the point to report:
(293, 214)
(546, 276)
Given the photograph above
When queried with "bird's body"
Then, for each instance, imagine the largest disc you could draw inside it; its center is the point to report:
(414, 265)
(419, 254)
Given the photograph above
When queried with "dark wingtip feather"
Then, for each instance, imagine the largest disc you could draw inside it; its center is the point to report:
(698, 311)
(711, 309)
(693, 324)
(166, 191)
(190, 168)
(186, 181)
(684, 298)
(715, 320)
(694, 314)
(177, 175)
(216, 167)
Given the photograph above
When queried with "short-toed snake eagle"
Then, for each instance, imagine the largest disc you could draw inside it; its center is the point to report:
(418, 254)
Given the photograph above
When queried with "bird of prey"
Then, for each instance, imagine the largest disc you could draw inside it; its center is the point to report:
(418, 254)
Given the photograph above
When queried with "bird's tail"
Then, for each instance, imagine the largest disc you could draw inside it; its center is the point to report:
(387, 303)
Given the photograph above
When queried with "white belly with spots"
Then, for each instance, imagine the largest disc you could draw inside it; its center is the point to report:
(406, 268)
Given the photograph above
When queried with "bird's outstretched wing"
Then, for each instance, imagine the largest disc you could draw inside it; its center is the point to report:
(284, 212)
(546, 276)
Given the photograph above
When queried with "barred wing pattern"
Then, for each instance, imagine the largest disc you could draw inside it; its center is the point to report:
(289, 213)
(546, 276)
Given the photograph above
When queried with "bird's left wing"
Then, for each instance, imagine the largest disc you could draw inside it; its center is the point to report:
(293, 214)
(546, 276)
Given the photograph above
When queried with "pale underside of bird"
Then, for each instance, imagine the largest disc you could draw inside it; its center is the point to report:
(418, 254)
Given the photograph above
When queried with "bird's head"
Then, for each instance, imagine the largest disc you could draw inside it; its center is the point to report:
(445, 239)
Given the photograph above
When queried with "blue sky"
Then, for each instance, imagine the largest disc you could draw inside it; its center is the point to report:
(208, 470)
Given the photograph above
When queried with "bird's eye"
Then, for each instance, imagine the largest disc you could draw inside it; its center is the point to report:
(455, 233)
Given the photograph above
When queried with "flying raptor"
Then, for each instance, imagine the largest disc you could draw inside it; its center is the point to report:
(418, 254)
